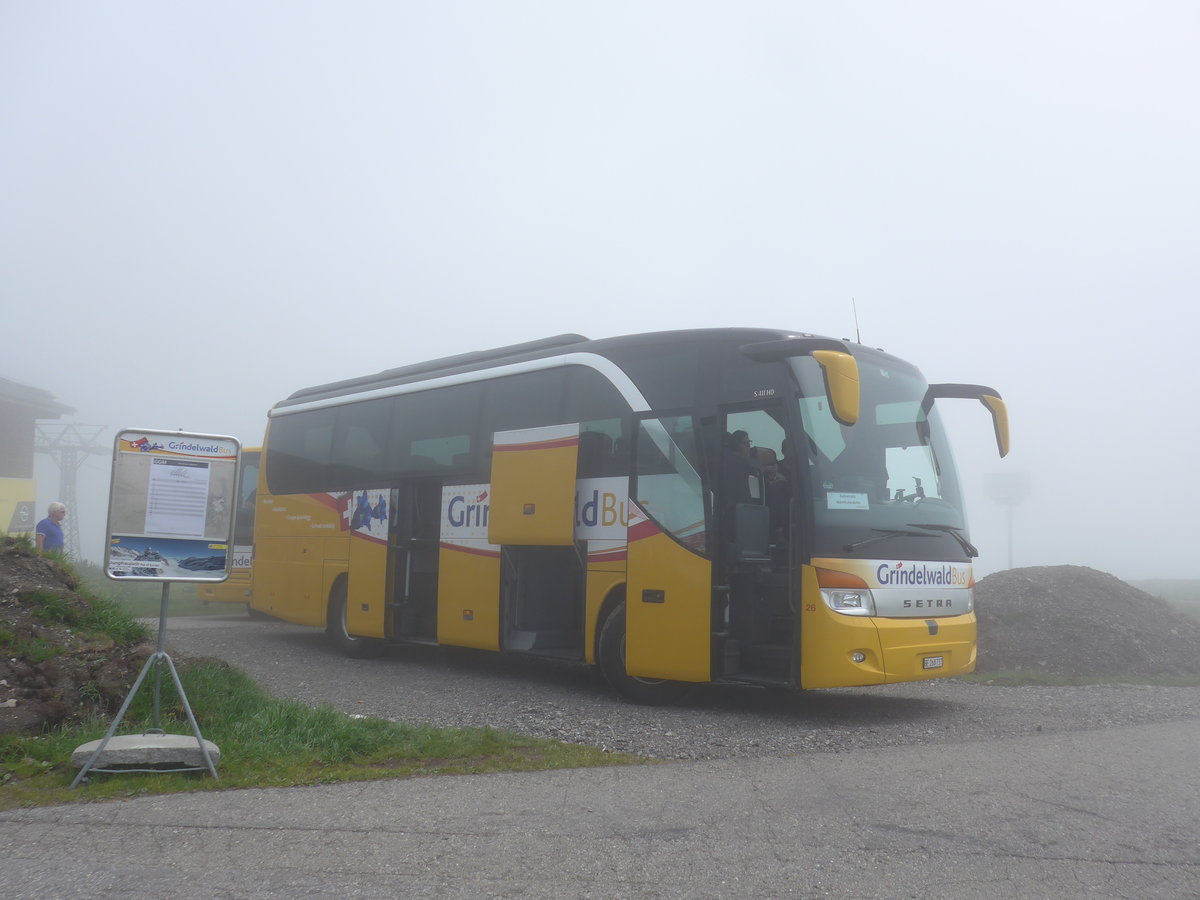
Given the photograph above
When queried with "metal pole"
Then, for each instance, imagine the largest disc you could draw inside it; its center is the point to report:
(187, 708)
(160, 655)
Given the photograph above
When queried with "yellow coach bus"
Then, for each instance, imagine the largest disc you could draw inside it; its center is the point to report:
(728, 505)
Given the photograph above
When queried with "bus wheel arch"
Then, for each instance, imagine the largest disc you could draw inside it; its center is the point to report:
(615, 598)
(610, 656)
(335, 624)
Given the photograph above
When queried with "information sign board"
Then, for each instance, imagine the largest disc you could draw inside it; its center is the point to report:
(171, 506)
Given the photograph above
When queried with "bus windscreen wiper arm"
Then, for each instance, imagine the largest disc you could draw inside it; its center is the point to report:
(967, 546)
(884, 534)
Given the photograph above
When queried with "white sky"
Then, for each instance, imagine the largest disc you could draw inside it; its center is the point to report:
(205, 206)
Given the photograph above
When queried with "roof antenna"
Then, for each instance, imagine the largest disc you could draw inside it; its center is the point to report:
(857, 333)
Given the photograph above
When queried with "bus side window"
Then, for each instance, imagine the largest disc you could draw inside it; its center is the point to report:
(599, 408)
(359, 439)
(528, 400)
(299, 452)
(595, 454)
(668, 486)
(427, 434)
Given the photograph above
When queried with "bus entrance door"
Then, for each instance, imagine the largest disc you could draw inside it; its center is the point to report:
(668, 607)
(413, 554)
(755, 499)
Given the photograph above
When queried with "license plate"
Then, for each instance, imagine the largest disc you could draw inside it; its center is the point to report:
(932, 662)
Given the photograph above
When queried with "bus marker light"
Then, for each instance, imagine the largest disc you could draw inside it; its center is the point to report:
(858, 656)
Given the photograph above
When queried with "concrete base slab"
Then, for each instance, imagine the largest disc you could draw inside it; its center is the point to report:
(145, 750)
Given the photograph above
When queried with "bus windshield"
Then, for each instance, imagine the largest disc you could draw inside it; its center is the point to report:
(892, 473)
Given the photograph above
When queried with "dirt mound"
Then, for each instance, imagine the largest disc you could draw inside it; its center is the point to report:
(1077, 622)
(56, 668)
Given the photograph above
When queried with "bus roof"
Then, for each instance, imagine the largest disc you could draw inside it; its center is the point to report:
(545, 347)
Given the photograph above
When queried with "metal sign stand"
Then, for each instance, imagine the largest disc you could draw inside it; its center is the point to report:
(157, 661)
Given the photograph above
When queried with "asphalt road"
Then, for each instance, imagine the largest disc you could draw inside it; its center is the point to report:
(1061, 810)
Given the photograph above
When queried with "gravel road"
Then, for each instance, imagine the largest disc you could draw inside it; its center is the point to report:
(449, 687)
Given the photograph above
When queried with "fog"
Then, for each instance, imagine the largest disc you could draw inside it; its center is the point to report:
(204, 207)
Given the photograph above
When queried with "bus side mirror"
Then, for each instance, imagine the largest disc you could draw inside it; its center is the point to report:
(985, 395)
(999, 412)
(841, 384)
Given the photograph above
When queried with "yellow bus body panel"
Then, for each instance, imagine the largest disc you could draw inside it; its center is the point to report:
(895, 649)
(533, 491)
(907, 643)
(290, 578)
(295, 566)
(468, 609)
(235, 589)
(827, 640)
(366, 599)
(672, 638)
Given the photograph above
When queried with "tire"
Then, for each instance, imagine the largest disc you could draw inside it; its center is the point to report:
(611, 656)
(338, 635)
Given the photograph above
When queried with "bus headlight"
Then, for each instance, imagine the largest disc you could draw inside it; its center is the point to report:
(858, 602)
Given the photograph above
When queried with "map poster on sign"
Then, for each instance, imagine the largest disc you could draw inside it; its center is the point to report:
(171, 506)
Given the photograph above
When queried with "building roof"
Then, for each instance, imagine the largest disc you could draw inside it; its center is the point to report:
(41, 403)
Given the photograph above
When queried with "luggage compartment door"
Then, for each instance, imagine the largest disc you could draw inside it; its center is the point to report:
(533, 486)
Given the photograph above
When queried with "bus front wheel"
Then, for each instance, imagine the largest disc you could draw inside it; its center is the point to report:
(337, 632)
(611, 655)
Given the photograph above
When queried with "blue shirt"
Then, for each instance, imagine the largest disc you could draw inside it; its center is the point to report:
(52, 534)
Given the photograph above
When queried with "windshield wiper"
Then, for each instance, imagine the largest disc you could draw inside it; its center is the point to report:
(884, 534)
(967, 546)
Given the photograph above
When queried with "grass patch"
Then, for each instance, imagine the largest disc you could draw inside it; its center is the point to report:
(1054, 679)
(95, 617)
(109, 617)
(266, 742)
(50, 607)
(34, 649)
(99, 615)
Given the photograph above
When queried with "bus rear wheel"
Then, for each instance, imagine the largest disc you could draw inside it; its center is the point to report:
(337, 632)
(611, 656)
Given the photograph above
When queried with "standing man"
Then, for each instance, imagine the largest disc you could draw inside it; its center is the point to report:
(49, 530)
